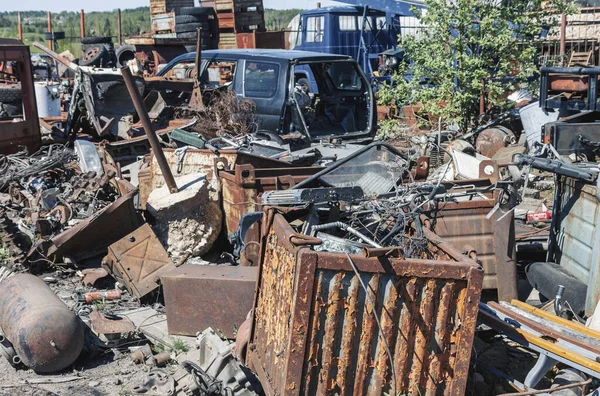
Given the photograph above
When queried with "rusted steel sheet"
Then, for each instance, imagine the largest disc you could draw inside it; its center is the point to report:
(568, 83)
(138, 260)
(201, 161)
(25, 130)
(163, 23)
(93, 236)
(315, 331)
(241, 190)
(465, 223)
(45, 334)
(226, 297)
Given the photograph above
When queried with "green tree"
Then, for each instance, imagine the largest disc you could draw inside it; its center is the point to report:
(472, 47)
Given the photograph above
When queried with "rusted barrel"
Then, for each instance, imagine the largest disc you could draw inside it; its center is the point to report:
(45, 334)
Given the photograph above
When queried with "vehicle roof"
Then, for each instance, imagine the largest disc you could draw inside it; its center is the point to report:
(264, 53)
(342, 10)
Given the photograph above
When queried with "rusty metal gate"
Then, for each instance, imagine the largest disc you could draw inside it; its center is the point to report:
(315, 331)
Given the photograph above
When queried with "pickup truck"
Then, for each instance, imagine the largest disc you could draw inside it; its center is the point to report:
(318, 95)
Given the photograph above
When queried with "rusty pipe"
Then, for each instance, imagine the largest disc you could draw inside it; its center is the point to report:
(152, 138)
(44, 333)
(82, 23)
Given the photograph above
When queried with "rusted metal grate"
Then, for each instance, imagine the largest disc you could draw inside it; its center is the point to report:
(315, 331)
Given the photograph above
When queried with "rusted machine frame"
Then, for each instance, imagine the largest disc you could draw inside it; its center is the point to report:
(282, 362)
(496, 234)
(26, 132)
(241, 189)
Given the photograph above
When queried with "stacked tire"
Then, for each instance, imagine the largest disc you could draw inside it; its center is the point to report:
(98, 51)
(204, 18)
(10, 101)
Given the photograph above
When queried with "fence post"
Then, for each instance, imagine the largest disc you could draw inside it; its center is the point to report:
(82, 23)
(563, 35)
(119, 26)
(20, 26)
(50, 42)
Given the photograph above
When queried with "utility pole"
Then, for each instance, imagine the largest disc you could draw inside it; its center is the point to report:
(50, 42)
(82, 23)
(20, 26)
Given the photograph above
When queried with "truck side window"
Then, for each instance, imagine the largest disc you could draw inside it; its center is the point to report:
(261, 79)
(347, 22)
(315, 29)
(219, 73)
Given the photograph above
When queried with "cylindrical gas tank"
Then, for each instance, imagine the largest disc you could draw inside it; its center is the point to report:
(47, 96)
(45, 334)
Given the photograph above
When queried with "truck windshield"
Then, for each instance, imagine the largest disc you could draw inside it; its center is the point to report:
(344, 76)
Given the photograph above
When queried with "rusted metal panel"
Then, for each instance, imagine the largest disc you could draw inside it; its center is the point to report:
(241, 190)
(466, 223)
(226, 298)
(93, 236)
(138, 260)
(315, 331)
(46, 335)
(575, 244)
(261, 39)
(26, 131)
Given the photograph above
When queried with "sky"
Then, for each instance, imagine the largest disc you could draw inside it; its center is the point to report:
(107, 5)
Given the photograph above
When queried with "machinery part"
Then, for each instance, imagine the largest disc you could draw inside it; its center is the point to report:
(238, 237)
(226, 298)
(546, 277)
(159, 360)
(558, 300)
(558, 167)
(124, 54)
(8, 351)
(138, 260)
(312, 195)
(101, 295)
(345, 227)
(45, 334)
(491, 140)
(158, 383)
(141, 354)
(96, 40)
(219, 364)
(93, 56)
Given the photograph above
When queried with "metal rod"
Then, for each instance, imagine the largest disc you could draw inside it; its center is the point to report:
(50, 42)
(20, 26)
(82, 23)
(563, 34)
(119, 26)
(152, 138)
(537, 392)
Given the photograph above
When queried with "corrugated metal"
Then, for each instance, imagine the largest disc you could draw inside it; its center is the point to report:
(314, 328)
(577, 241)
(466, 223)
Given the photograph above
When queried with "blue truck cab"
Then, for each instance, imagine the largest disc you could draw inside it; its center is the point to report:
(360, 32)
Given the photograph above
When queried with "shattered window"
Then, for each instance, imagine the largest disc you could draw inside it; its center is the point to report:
(219, 74)
(315, 27)
(347, 22)
(344, 76)
(261, 79)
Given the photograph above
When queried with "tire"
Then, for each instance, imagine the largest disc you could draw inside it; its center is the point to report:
(269, 136)
(191, 27)
(96, 40)
(124, 54)
(181, 19)
(10, 93)
(197, 11)
(94, 56)
(192, 35)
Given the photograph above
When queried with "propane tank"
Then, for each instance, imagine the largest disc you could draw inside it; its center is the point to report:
(45, 334)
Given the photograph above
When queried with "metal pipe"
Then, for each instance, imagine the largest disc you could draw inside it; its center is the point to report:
(50, 42)
(558, 300)
(152, 138)
(345, 227)
(544, 391)
(82, 23)
(563, 34)
(20, 26)
(119, 26)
